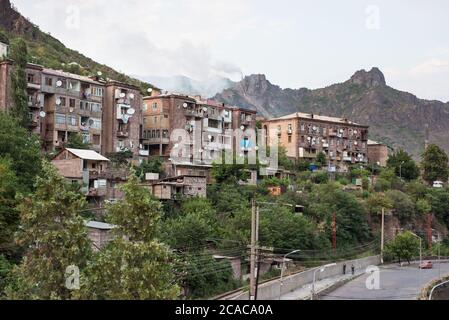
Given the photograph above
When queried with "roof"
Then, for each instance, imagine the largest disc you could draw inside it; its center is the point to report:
(99, 225)
(316, 117)
(60, 73)
(87, 154)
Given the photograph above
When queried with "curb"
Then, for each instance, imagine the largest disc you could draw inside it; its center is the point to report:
(336, 285)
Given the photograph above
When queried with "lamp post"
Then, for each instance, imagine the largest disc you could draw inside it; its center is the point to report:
(420, 248)
(400, 169)
(321, 269)
(282, 271)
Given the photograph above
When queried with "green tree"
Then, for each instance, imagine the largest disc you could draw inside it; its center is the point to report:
(134, 265)
(19, 53)
(9, 218)
(190, 230)
(76, 141)
(404, 247)
(378, 201)
(4, 37)
(151, 165)
(229, 173)
(403, 205)
(5, 271)
(55, 236)
(321, 159)
(22, 149)
(434, 164)
(403, 165)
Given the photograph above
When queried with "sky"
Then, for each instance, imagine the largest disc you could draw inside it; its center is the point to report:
(294, 43)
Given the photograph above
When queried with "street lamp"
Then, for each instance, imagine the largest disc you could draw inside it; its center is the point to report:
(321, 269)
(282, 271)
(420, 248)
(400, 169)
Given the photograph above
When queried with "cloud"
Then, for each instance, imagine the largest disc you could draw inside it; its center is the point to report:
(431, 66)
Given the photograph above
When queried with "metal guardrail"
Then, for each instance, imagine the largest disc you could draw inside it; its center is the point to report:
(438, 285)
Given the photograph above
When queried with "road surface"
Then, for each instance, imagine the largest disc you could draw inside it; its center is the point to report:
(395, 283)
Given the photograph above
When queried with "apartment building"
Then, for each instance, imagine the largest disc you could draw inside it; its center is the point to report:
(73, 105)
(122, 118)
(107, 114)
(377, 153)
(205, 121)
(304, 136)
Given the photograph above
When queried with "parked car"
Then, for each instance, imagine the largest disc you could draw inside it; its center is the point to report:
(426, 265)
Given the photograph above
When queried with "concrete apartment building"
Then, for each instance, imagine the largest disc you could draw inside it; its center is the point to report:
(377, 153)
(107, 114)
(204, 120)
(122, 118)
(305, 135)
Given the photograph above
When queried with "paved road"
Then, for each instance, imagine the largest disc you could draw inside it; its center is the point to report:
(396, 283)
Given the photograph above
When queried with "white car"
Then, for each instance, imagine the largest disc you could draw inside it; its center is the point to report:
(438, 184)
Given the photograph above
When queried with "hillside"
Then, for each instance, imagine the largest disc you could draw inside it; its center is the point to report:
(50, 52)
(395, 117)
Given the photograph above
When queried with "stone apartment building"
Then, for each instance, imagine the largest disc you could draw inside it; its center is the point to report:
(107, 114)
(205, 121)
(377, 153)
(304, 136)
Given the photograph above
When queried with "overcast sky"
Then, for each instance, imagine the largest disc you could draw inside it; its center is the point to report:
(295, 43)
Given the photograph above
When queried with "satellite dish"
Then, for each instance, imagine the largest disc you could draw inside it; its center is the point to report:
(131, 95)
(125, 118)
(355, 131)
(204, 109)
(122, 95)
(256, 148)
(131, 111)
(209, 137)
(200, 151)
(58, 102)
(242, 127)
(184, 105)
(91, 122)
(71, 110)
(176, 145)
(150, 90)
(59, 83)
(42, 114)
(99, 73)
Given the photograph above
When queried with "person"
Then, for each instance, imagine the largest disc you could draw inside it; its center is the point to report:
(352, 269)
(344, 268)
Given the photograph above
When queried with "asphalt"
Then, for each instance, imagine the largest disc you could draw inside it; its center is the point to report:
(395, 283)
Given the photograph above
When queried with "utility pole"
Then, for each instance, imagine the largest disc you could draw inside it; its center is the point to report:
(429, 230)
(257, 253)
(252, 278)
(382, 237)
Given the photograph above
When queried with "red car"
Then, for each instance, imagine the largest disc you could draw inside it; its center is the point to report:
(426, 265)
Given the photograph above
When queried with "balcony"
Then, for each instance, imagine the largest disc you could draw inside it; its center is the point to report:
(32, 85)
(153, 141)
(193, 113)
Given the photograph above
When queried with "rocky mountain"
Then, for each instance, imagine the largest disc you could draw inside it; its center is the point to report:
(186, 85)
(396, 118)
(49, 51)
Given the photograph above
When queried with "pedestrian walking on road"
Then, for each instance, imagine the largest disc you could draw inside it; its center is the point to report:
(344, 268)
(352, 269)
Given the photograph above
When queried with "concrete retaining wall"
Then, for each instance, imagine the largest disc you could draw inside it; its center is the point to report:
(270, 290)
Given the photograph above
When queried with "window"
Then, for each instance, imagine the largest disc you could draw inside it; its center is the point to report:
(74, 85)
(96, 123)
(30, 78)
(86, 137)
(289, 139)
(96, 139)
(63, 101)
(49, 81)
(60, 118)
(71, 120)
(155, 106)
(72, 103)
(95, 107)
(98, 92)
(154, 120)
(302, 127)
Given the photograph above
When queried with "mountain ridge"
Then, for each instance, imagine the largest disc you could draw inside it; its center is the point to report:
(395, 117)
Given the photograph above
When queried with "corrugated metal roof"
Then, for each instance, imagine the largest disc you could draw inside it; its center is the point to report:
(99, 225)
(87, 154)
